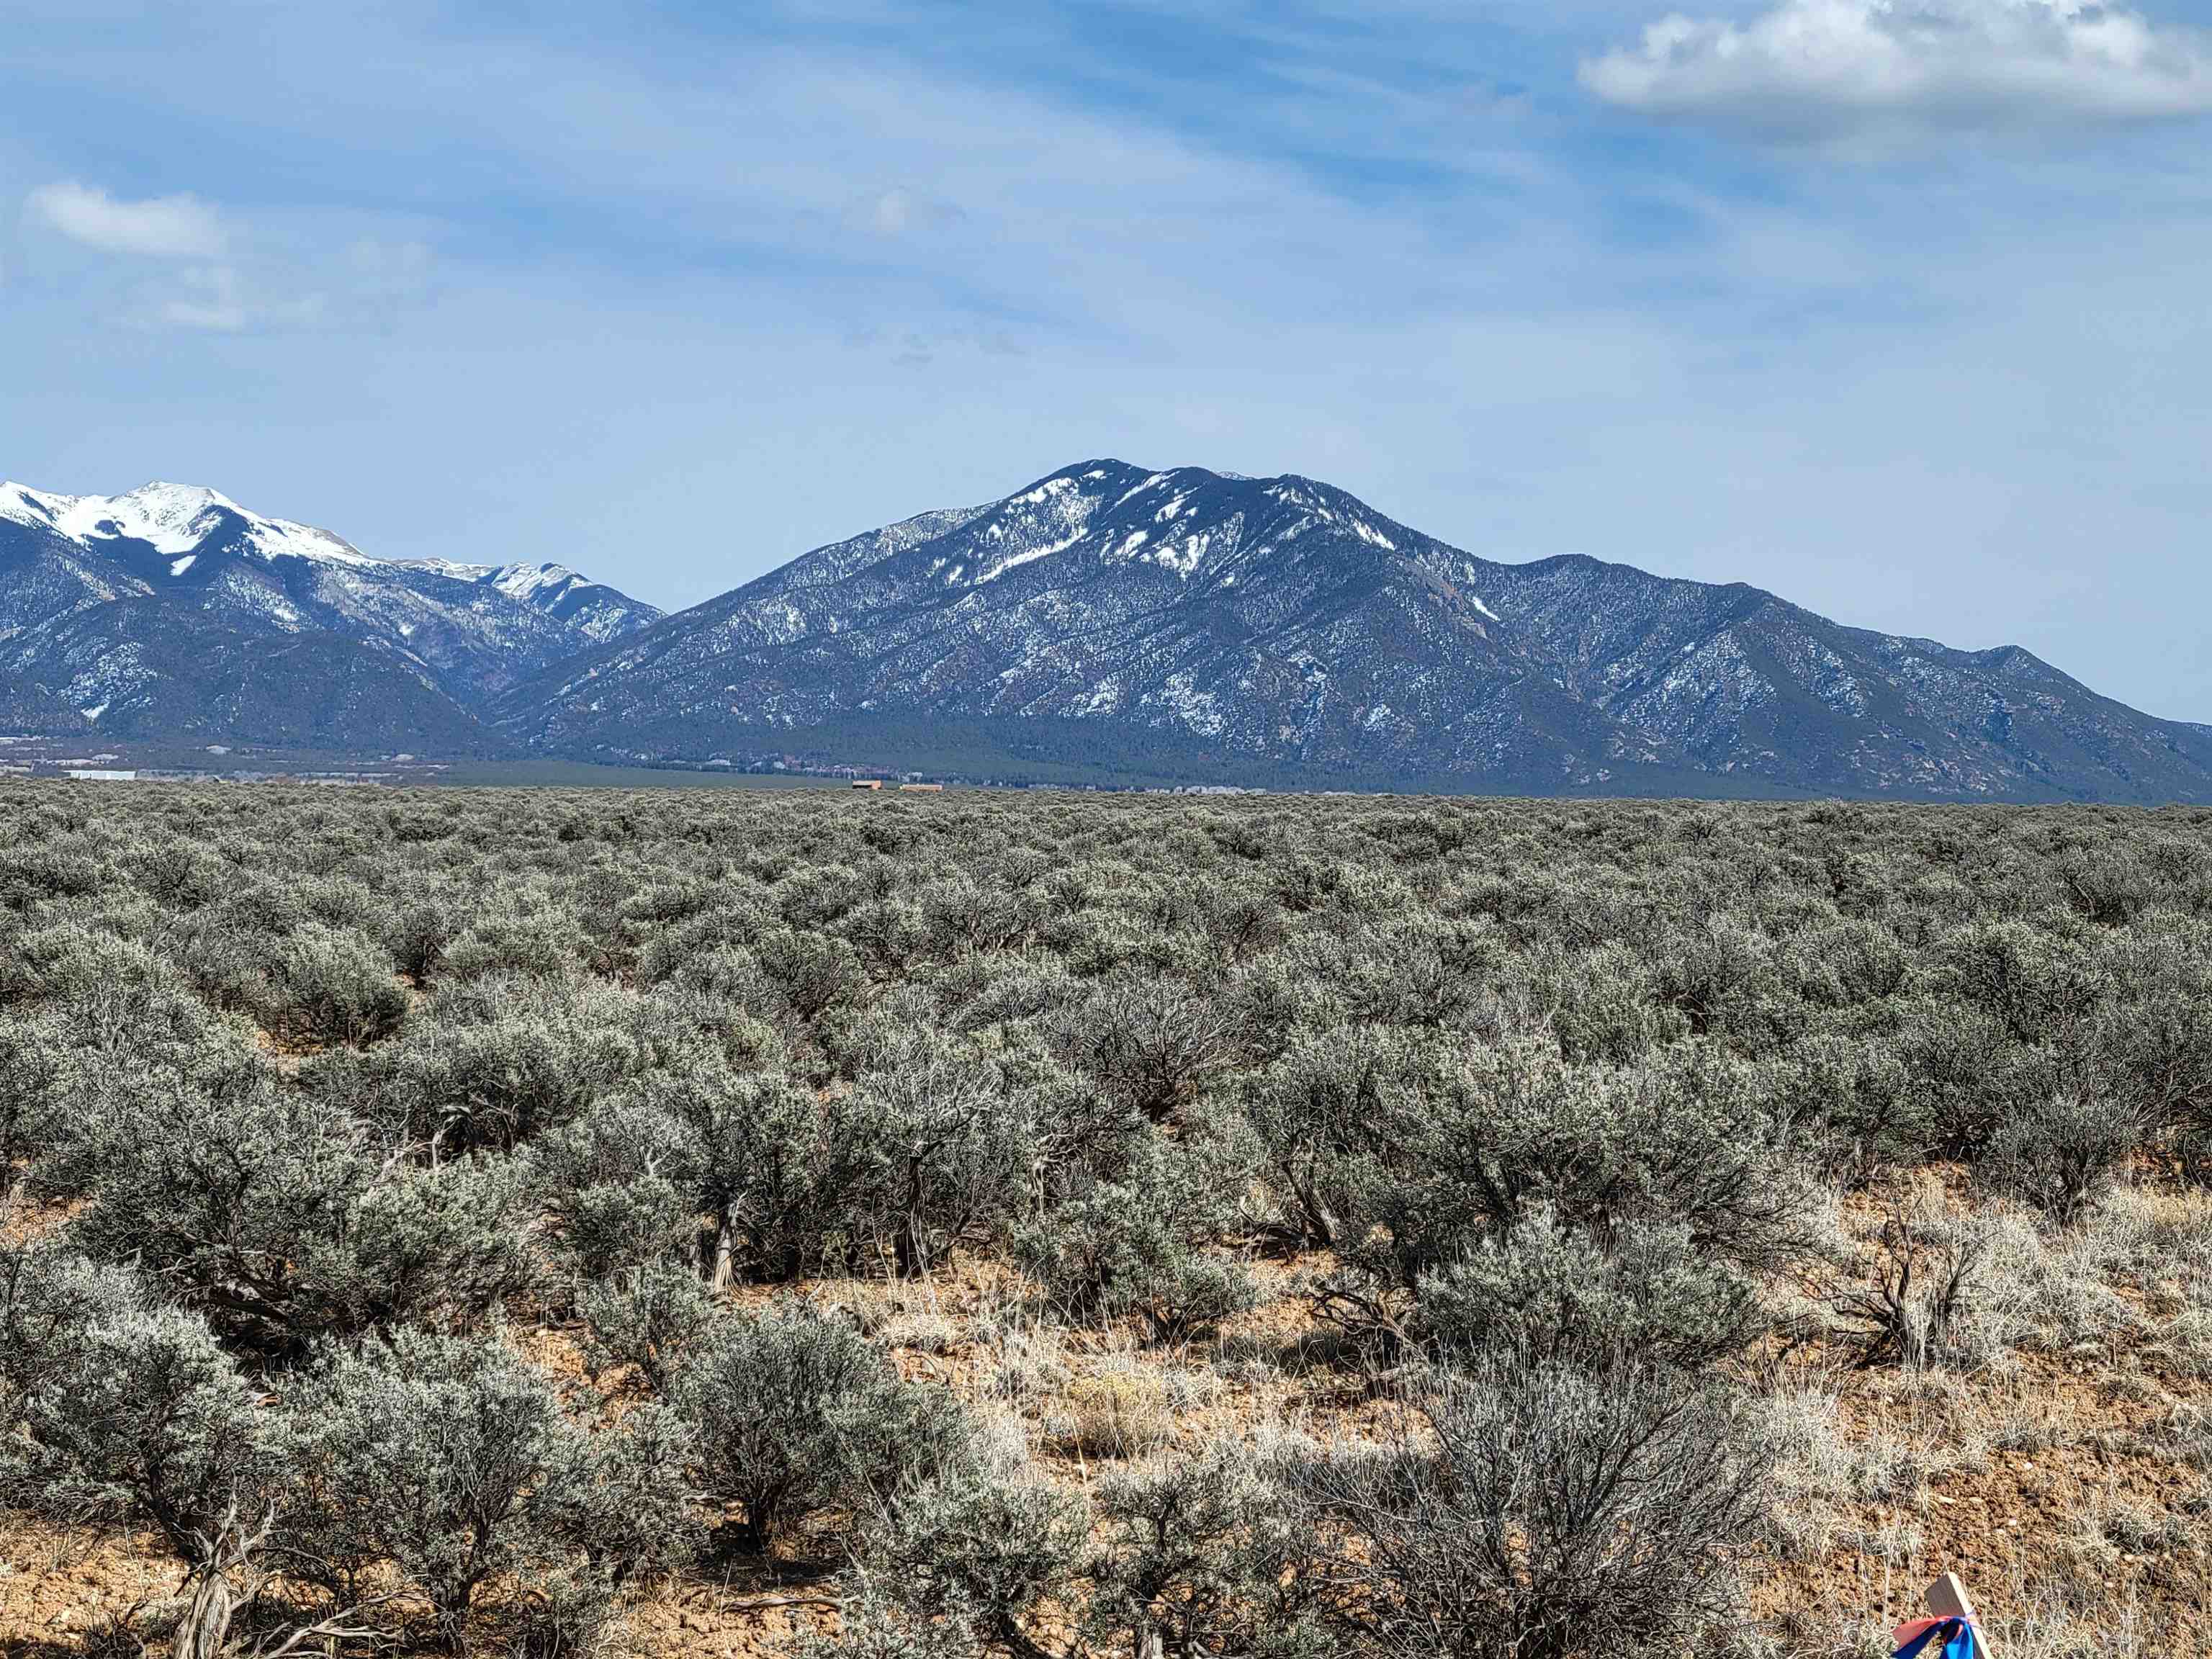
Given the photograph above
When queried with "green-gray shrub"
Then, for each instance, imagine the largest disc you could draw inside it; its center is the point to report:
(979, 1548)
(2058, 1152)
(1137, 1246)
(796, 1412)
(652, 1315)
(452, 1459)
(1539, 1513)
(117, 1410)
(1552, 1294)
(1206, 1555)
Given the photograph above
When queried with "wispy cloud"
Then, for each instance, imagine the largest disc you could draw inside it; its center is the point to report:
(207, 300)
(179, 262)
(1392, 242)
(1826, 66)
(160, 226)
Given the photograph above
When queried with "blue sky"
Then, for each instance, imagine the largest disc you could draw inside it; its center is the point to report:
(1895, 307)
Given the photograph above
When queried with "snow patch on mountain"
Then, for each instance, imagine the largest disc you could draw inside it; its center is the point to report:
(1281, 620)
(172, 519)
(469, 631)
(1025, 556)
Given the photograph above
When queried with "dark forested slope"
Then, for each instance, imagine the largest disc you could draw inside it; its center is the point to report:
(1275, 629)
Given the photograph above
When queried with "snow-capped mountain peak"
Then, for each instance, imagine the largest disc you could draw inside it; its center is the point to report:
(517, 581)
(1281, 626)
(1273, 627)
(593, 608)
(105, 565)
(175, 520)
(171, 518)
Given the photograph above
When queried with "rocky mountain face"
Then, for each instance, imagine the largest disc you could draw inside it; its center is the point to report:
(1187, 624)
(172, 611)
(1279, 628)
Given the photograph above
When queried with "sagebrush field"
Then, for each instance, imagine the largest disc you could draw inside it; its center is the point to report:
(558, 1224)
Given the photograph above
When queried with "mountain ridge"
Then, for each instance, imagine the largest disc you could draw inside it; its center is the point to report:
(99, 595)
(1104, 621)
(1106, 596)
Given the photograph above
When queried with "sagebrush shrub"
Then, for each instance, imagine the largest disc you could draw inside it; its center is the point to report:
(1137, 1246)
(34, 1060)
(534, 943)
(652, 1315)
(2059, 1152)
(1544, 1514)
(1552, 1294)
(277, 1216)
(1151, 1041)
(1323, 1113)
(980, 1547)
(756, 1155)
(796, 1412)
(1206, 1555)
(495, 1064)
(615, 1186)
(452, 1459)
(927, 1151)
(117, 1411)
(1918, 1287)
(1476, 1141)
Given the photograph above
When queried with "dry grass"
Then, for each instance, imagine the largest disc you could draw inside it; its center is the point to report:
(2056, 1456)
(2061, 1460)
(1122, 1412)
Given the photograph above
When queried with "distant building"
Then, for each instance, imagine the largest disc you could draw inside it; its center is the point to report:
(867, 783)
(923, 788)
(102, 774)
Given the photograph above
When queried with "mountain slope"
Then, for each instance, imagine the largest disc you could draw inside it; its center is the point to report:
(140, 670)
(1280, 627)
(142, 611)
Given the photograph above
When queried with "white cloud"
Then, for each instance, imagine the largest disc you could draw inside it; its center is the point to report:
(222, 300)
(1823, 65)
(210, 303)
(161, 227)
(217, 274)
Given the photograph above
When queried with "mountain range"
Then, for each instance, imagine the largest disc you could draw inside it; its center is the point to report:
(1184, 625)
(171, 612)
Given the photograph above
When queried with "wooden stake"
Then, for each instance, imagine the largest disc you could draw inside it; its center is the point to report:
(1947, 1598)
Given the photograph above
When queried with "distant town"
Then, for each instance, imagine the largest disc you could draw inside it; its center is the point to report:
(31, 756)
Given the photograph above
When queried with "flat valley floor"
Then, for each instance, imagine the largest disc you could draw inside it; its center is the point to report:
(565, 1222)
